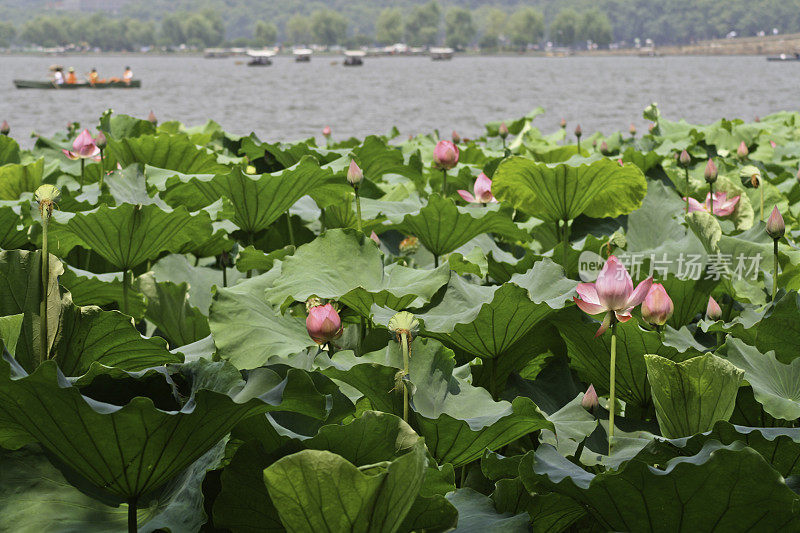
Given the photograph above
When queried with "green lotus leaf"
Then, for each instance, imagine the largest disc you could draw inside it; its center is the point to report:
(169, 309)
(515, 126)
(16, 179)
(776, 386)
(258, 200)
(477, 514)
(9, 150)
(201, 279)
(558, 154)
(442, 227)
(131, 449)
(173, 152)
(487, 321)
(348, 266)
(598, 189)
(591, 357)
(691, 396)
(13, 233)
(317, 490)
(88, 288)
(129, 235)
(644, 160)
(747, 493)
(573, 424)
(252, 259)
(377, 160)
(129, 186)
(248, 331)
(553, 512)
(125, 126)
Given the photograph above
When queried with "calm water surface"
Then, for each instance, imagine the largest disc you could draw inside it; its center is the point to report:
(289, 101)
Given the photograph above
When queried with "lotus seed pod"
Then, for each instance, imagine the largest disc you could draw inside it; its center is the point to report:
(404, 322)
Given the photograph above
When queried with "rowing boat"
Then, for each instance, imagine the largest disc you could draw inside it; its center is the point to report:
(29, 84)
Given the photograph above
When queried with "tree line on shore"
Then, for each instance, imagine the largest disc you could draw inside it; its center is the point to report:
(572, 23)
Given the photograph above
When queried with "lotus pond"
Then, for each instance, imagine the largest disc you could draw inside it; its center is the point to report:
(526, 331)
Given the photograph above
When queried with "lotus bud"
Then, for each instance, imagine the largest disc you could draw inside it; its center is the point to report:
(632, 129)
(685, 159)
(742, 151)
(100, 141)
(456, 137)
(711, 171)
(409, 245)
(354, 174)
(594, 143)
(445, 155)
(589, 400)
(775, 226)
(757, 119)
(713, 311)
(326, 131)
(563, 123)
(578, 131)
(152, 118)
(323, 324)
(753, 173)
(603, 147)
(374, 237)
(773, 144)
(503, 130)
(651, 127)
(657, 306)
(47, 195)
(5, 129)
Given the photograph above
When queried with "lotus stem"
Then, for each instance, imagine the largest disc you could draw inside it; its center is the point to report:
(133, 526)
(83, 171)
(404, 347)
(566, 242)
(435, 261)
(223, 262)
(762, 200)
(358, 207)
(504, 145)
(579, 146)
(775, 270)
(45, 282)
(331, 349)
(686, 172)
(125, 283)
(444, 178)
(612, 384)
(291, 229)
(711, 190)
(102, 169)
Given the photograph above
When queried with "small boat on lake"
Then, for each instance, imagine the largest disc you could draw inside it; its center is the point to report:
(442, 54)
(785, 57)
(302, 55)
(33, 84)
(354, 58)
(260, 58)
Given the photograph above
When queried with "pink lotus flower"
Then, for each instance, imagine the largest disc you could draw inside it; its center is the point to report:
(722, 205)
(589, 400)
(456, 137)
(713, 311)
(776, 227)
(374, 237)
(483, 191)
(323, 324)
(772, 143)
(613, 292)
(445, 155)
(354, 174)
(742, 151)
(657, 306)
(326, 131)
(83, 147)
(5, 129)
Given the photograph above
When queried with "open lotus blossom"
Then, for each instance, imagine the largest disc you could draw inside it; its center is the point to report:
(613, 292)
(722, 205)
(483, 191)
(323, 324)
(83, 147)
(657, 307)
(445, 155)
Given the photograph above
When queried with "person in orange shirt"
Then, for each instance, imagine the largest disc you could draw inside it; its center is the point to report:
(71, 78)
(93, 76)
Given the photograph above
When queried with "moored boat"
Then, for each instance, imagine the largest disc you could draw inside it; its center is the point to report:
(441, 54)
(354, 58)
(260, 58)
(302, 55)
(33, 84)
(785, 57)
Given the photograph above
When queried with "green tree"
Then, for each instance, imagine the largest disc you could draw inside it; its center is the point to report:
(422, 25)
(172, 30)
(328, 27)
(495, 24)
(45, 31)
(564, 29)
(298, 29)
(7, 34)
(200, 31)
(265, 33)
(595, 26)
(389, 26)
(459, 28)
(526, 26)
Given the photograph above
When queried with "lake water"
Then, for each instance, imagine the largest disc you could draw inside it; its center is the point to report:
(289, 101)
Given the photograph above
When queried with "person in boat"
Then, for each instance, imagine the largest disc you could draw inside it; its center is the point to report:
(127, 76)
(72, 79)
(94, 77)
(58, 76)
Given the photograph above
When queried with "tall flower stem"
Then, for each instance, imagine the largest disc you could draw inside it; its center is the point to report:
(358, 206)
(686, 191)
(83, 172)
(579, 146)
(566, 242)
(102, 168)
(404, 347)
(45, 282)
(612, 384)
(291, 229)
(762, 200)
(133, 526)
(775, 270)
(126, 280)
(444, 180)
(711, 190)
